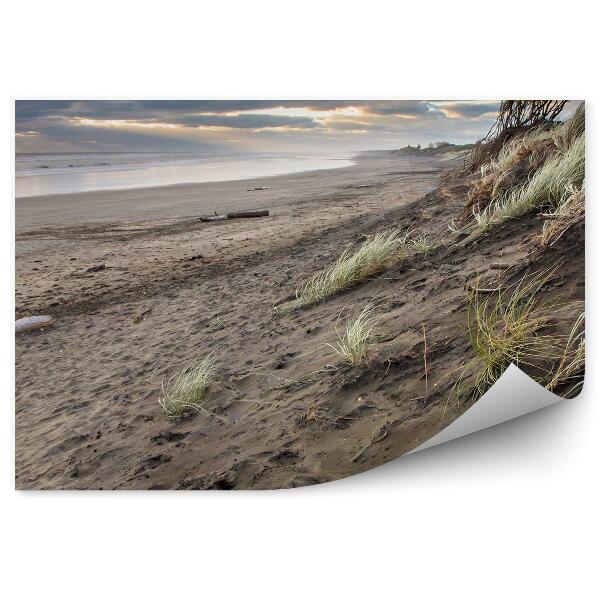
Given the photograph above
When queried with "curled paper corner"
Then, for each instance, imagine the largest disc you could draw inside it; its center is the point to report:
(513, 395)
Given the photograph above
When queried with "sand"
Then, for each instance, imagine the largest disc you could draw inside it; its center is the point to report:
(168, 288)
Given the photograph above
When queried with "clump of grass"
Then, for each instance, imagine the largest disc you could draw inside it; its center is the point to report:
(570, 211)
(516, 160)
(422, 243)
(185, 391)
(354, 344)
(510, 185)
(504, 328)
(518, 149)
(571, 366)
(375, 254)
(548, 187)
(571, 129)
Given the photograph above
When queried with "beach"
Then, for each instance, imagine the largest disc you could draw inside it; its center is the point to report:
(139, 288)
(145, 234)
(88, 388)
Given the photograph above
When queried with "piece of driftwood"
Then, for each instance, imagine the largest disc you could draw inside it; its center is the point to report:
(499, 266)
(548, 216)
(248, 214)
(214, 218)
(478, 290)
(31, 323)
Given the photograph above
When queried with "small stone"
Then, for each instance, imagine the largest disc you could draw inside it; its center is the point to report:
(96, 268)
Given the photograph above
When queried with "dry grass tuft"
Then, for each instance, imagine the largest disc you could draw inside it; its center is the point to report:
(547, 188)
(571, 129)
(374, 255)
(571, 367)
(517, 160)
(422, 243)
(569, 213)
(532, 170)
(354, 344)
(185, 391)
(377, 253)
(504, 328)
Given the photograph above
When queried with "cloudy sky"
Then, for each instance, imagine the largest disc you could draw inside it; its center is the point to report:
(245, 125)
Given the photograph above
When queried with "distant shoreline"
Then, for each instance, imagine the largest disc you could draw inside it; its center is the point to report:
(50, 175)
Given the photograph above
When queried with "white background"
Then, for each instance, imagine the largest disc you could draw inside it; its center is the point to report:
(509, 513)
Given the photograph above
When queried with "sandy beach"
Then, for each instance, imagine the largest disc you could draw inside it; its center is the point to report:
(139, 287)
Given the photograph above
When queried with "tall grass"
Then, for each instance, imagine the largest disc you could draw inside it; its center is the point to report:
(571, 366)
(517, 149)
(548, 187)
(354, 344)
(569, 212)
(377, 253)
(571, 129)
(504, 328)
(185, 391)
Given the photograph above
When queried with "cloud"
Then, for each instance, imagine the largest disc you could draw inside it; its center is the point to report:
(468, 110)
(245, 121)
(157, 109)
(405, 108)
(270, 125)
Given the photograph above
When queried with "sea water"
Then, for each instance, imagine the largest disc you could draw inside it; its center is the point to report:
(67, 173)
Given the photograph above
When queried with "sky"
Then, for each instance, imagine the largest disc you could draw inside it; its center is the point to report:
(245, 125)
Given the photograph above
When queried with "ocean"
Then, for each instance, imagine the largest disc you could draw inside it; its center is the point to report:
(45, 174)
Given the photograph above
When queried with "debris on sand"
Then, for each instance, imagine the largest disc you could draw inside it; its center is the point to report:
(246, 214)
(96, 268)
(214, 218)
(139, 318)
(257, 189)
(31, 323)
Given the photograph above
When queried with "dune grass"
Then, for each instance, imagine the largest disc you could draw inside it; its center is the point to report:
(185, 391)
(571, 366)
(422, 243)
(374, 255)
(517, 149)
(570, 211)
(548, 187)
(377, 253)
(571, 129)
(354, 344)
(504, 328)
(552, 157)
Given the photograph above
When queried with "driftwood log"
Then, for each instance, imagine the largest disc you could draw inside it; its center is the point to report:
(214, 218)
(31, 323)
(247, 214)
